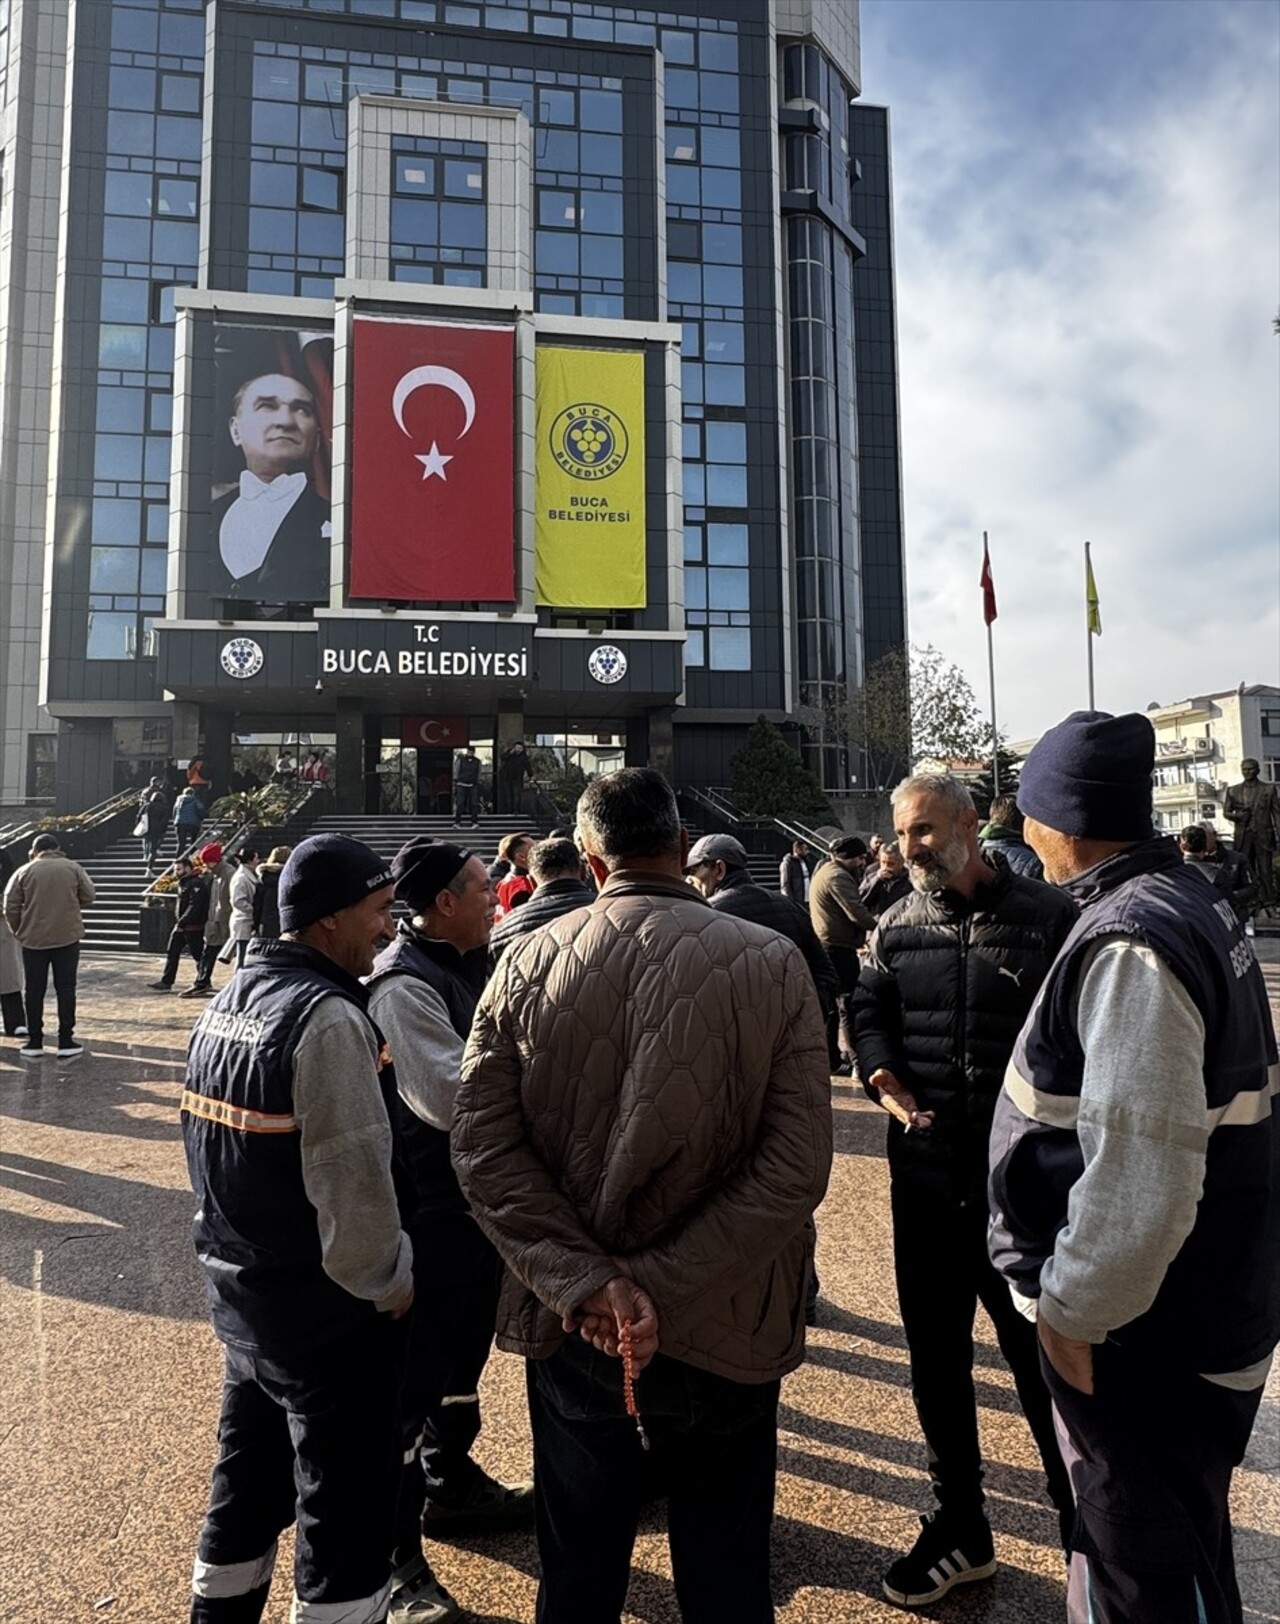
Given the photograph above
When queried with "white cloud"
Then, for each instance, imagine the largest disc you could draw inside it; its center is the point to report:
(1084, 309)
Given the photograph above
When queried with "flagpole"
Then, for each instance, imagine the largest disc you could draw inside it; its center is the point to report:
(991, 674)
(1088, 622)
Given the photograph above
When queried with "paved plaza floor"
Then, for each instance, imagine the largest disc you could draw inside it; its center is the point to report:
(111, 1377)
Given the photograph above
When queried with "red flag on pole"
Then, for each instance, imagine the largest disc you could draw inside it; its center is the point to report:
(987, 584)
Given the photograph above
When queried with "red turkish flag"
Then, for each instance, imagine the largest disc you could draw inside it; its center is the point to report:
(435, 731)
(988, 585)
(432, 454)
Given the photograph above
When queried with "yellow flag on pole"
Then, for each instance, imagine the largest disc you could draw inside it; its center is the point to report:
(1093, 607)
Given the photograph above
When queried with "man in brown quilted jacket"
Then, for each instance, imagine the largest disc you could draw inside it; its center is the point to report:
(643, 1129)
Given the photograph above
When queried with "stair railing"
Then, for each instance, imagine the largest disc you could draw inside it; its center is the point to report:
(20, 836)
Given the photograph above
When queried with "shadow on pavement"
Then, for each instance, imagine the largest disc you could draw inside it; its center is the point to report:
(130, 1250)
(990, 1397)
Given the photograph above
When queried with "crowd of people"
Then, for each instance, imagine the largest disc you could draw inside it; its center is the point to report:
(577, 1103)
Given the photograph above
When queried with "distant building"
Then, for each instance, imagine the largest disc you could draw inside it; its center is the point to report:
(1200, 744)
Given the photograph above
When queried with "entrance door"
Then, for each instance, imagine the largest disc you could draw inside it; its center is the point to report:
(435, 781)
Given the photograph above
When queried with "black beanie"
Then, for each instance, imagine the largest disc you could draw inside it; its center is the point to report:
(326, 874)
(1091, 777)
(423, 867)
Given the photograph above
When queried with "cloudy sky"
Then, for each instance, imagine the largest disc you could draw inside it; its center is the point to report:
(1087, 198)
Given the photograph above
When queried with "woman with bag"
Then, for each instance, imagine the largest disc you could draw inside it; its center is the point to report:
(153, 819)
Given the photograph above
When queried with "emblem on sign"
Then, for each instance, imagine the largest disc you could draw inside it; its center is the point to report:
(607, 663)
(589, 441)
(242, 657)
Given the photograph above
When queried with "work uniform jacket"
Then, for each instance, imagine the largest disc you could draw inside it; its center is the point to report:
(281, 1274)
(1217, 1307)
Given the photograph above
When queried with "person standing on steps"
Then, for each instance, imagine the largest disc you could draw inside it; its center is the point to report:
(42, 906)
(154, 808)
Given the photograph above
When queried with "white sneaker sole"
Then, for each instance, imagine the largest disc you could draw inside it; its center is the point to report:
(922, 1598)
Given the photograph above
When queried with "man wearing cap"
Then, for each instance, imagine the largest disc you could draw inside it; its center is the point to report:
(949, 977)
(287, 1115)
(717, 865)
(1135, 1185)
(842, 920)
(423, 994)
(217, 926)
(42, 907)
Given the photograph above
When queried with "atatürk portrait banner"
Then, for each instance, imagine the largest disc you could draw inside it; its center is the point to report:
(431, 471)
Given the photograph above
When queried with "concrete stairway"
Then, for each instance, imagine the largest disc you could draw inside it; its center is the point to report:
(119, 878)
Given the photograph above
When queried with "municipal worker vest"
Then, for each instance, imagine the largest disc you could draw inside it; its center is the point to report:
(255, 1230)
(1218, 1309)
(459, 980)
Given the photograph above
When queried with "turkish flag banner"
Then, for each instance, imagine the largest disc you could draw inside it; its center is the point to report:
(432, 415)
(435, 731)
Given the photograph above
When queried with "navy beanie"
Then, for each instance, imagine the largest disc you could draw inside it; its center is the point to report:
(1091, 777)
(326, 874)
(423, 867)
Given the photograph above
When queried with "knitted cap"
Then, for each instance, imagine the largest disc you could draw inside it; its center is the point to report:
(326, 874)
(211, 855)
(423, 867)
(1091, 777)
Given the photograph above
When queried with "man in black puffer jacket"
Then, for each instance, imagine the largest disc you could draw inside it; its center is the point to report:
(556, 868)
(951, 973)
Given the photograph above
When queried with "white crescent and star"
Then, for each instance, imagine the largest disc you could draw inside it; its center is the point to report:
(433, 461)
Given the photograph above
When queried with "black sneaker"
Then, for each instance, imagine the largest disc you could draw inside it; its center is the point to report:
(947, 1553)
(488, 1505)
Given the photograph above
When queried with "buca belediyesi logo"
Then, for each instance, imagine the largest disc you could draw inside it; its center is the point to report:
(589, 441)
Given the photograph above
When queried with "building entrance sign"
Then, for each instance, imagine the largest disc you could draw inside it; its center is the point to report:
(432, 457)
(452, 650)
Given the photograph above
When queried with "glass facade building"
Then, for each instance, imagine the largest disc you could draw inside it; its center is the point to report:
(700, 182)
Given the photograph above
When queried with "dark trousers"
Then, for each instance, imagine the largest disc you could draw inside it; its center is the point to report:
(848, 967)
(456, 1278)
(180, 942)
(715, 1445)
(1151, 1452)
(208, 958)
(13, 1012)
(36, 965)
(467, 801)
(151, 844)
(314, 1438)
(942, 1269)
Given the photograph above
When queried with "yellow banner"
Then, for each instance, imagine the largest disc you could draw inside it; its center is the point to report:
(589, 481)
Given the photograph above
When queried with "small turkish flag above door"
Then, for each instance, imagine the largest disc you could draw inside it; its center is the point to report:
(432, 449)
(438, 732)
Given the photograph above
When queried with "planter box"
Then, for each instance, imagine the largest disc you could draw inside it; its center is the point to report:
(155, 925)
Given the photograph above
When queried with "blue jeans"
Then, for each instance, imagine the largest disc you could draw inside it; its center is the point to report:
(714, 1449)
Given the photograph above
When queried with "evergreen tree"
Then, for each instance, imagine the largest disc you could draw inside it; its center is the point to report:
(983, 788)
(770, 781)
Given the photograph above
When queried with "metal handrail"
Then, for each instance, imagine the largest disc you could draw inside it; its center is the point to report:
(801, 831)
(92, 818)
(231, 834)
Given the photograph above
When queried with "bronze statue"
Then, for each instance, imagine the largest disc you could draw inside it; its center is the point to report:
(1254, 809)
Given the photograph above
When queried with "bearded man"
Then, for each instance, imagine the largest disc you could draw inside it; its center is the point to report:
(950, 976)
